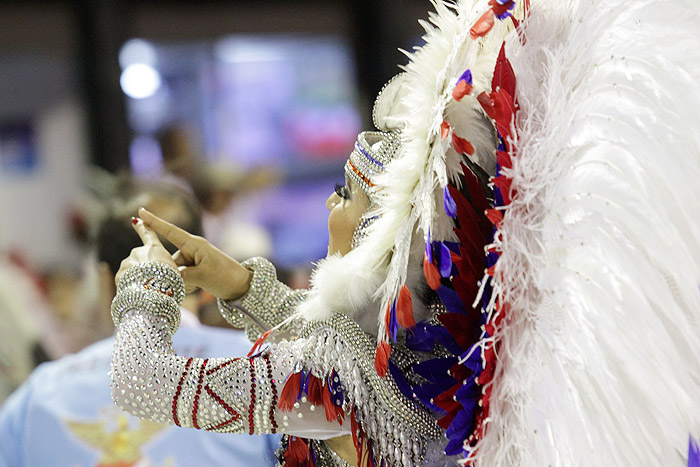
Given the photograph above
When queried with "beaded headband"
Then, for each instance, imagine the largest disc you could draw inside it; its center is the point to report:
(373, 150)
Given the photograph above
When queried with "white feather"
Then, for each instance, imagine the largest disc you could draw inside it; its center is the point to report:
(599, 361)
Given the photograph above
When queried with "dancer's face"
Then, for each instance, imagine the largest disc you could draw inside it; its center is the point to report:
(346, 206)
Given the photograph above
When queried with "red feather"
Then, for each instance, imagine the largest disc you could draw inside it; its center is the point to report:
(503, 184)
(331, 414)
(315, 390)
(483, 25)
(446, 400)
(495, 216)
(290, 392)
(476, 193)
(404, 308)
(387, 319)
(297, 453)
(462, 88)
(470, 231)
(354, 428)
(444, 130)
(461, 145)
(504, 111)
(486, 102)
(503, 75)
(464, 329)
(503, 159)
(381, 358)
(431, 273)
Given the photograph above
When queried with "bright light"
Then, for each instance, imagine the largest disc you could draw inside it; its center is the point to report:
(236, 50)
(139, 81)
(137, 51)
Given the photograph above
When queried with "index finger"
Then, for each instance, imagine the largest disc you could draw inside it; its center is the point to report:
(173, 233)
(147, 235)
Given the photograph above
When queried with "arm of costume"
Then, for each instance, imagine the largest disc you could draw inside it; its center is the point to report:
(237, 395)
(267, 303)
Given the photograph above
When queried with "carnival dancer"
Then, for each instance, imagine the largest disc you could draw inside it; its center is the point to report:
(578, 343)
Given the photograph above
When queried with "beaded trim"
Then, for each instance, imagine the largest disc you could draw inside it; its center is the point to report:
(154, 303)
(273, 422)
(360, 232)
(267, 303)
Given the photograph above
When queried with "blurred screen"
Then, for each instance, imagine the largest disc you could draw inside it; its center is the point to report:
(281, 101)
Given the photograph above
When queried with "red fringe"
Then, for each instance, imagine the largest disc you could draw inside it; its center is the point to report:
(483, 25)
(404, 308)
(259, 342)
(290, 392)
(381, 358)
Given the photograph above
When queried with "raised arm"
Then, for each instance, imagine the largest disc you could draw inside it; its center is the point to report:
(149, 380)
(267, 303)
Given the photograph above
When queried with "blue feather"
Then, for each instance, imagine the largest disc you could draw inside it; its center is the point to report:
(450, 299)
(403, 386)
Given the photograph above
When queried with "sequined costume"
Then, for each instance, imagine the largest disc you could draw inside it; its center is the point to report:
(240, 395)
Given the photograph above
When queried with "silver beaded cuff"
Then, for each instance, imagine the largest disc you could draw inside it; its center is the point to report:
(152, 287)
(267, 303)
(156, 276)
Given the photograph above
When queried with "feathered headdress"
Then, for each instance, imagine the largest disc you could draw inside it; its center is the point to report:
(587, 345)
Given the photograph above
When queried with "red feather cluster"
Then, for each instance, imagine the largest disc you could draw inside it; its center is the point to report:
(298, 453)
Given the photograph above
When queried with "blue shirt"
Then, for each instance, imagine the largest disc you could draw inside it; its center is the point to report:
(63, 415)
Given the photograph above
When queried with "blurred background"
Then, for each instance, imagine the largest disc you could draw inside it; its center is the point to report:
(251, 105)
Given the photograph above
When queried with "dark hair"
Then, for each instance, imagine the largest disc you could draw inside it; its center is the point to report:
(115, 236)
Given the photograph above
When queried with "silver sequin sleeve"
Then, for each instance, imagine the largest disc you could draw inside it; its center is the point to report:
(236, 395)
(267, 303)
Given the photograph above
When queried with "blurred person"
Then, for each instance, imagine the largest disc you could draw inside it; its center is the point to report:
(19, 332)
(63, 414)
(218, 186)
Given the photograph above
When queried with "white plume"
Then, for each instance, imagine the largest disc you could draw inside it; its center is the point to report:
(599, 361)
